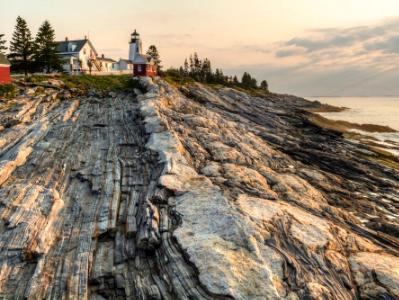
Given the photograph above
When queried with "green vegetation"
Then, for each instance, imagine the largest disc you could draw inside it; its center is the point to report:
(174, 77)
(45, 49)
(264, 85)
(7, 91)
(85, 83)
(2, 43)
(154, 54)
(248, 82)
(37, 78)
(21, 47)
(28, 55)
(195, 69)
(98, 83)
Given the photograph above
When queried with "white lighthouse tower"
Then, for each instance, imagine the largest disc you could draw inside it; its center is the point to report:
(135, 46)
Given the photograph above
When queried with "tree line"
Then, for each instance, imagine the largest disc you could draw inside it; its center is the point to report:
(201, 70)
(28, 54)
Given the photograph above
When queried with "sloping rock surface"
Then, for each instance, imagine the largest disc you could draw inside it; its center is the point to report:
(195, 193)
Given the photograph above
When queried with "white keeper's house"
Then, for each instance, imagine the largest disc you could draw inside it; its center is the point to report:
(80, 57)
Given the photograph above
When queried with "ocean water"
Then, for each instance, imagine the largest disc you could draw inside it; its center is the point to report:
(368, 110)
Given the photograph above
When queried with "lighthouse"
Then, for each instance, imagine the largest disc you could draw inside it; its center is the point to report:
(135, 46)
(143, 65)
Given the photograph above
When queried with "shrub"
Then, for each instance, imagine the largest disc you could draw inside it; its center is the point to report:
(8, 91)
(106, 83)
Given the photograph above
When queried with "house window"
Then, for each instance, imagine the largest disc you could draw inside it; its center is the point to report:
(84, 51)
(139, 68)
(71, 47)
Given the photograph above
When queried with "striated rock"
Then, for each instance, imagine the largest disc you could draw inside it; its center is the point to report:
(377, 275)
(198, 193)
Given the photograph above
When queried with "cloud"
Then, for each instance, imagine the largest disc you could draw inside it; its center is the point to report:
(310, 44)
(289, 52)
(389, 45)
(358, 61)
(377, 37)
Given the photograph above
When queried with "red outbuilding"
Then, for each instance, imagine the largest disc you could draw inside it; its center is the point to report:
(144, 66)
(4, 70)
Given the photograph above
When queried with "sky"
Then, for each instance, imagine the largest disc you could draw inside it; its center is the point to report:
(302, 47)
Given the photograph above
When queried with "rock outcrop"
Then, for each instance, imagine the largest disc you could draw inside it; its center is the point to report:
(190, 193)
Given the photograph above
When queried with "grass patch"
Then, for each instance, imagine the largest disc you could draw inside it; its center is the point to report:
(176, 79)
(37, 78)
(108, 83)
(8, 91)
(85, 83)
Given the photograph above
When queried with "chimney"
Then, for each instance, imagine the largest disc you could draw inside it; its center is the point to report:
(85, 37)
(102, 55)
(66, 39)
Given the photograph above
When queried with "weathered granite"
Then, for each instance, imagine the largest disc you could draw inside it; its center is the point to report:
(195, 193)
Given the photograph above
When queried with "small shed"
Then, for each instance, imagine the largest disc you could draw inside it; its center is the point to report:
(5, 77)
(144, 66)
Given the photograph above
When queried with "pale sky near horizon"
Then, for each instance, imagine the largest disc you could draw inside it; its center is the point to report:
(305, 47)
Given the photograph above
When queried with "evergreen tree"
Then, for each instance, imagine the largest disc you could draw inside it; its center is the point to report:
(254, 83)
(197, 66)
(219, 76)
(264, 85)
(245, 80)
(2, 42)
(153, 52)
(206, 70)
(21, 46)
(201, 70)
(186, 67)
(45, 54)
(191, 60)
(248, 82)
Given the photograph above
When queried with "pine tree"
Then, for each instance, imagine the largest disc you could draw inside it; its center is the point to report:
(254, 83)
(219, 76)
(154, 54)
(235, 80)
(248, 82)
(2, 42)
(191, 65)
(45, 53)
(197, 64)
(21, 46)
(264, 85)
(186, 67)
(206, 70)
